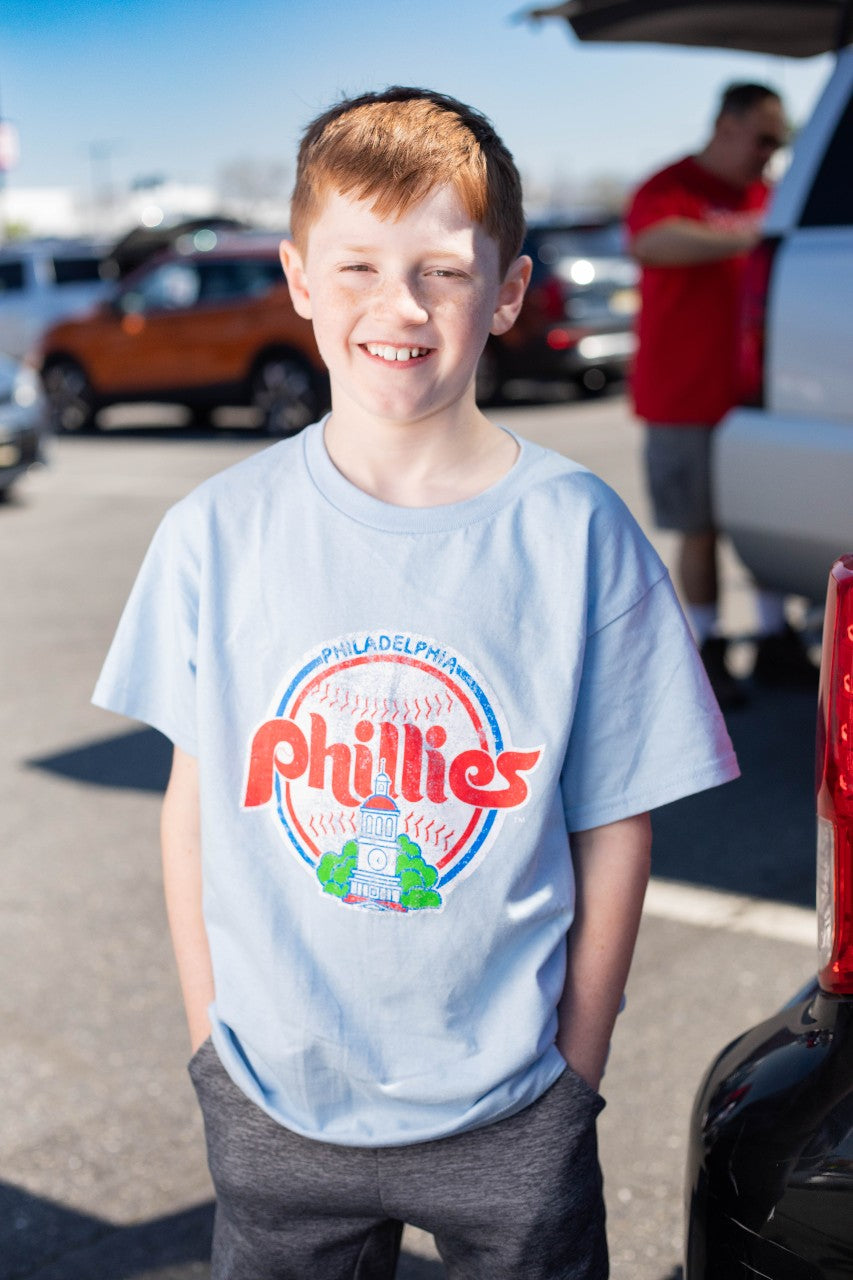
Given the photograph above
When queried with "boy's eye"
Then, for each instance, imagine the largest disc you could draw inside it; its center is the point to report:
(445, 272)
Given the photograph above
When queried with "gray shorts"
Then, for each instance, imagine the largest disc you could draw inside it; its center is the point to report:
(518, 1198)
(678, 473)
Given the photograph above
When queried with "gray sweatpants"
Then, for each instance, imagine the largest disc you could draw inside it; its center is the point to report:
(519, 1199)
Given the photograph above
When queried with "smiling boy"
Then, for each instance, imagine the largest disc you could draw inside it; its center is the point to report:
(424, 681)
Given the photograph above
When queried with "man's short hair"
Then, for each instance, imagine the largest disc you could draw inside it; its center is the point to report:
(393, 147)
(739, 98)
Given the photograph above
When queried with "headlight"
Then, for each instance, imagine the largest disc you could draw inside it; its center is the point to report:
(26, 388)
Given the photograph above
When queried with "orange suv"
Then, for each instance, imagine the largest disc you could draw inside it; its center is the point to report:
(209, 323)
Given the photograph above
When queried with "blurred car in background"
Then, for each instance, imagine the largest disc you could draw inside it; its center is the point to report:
(770, 1168)
(23, 421)
(142, 243)
(577, 320)
(42, 280)
(208, 323)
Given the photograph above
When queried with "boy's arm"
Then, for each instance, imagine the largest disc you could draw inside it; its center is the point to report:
(612, 865)
(180, 837)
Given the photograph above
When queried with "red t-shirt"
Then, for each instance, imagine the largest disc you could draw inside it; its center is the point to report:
(685, 370)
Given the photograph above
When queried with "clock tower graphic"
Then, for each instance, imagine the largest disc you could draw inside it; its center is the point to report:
(375, 875)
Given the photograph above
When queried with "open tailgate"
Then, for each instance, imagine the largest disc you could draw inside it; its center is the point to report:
(792, 28)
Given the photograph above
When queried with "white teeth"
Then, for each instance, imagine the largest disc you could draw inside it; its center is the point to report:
(394, 353)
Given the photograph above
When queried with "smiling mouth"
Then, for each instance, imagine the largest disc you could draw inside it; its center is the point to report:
(395, 355)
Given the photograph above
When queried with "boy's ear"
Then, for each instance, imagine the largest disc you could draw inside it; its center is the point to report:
(511, 295)
(294, 270)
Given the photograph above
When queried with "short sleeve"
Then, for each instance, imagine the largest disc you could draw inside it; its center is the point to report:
(647, 729)
(150, 670)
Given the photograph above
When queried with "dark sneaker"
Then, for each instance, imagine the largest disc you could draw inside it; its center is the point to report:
(727, 690)
(782, 662)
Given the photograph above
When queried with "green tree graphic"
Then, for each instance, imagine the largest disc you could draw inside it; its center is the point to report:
(334, 870)
(417, 877)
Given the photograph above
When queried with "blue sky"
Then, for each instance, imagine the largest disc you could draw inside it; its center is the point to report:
(181, 89)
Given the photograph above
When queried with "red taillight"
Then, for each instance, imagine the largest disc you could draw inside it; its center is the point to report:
(549, 298)
(563, 339)
(835, 786)
(753, 317)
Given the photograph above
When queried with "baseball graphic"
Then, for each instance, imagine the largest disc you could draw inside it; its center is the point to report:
(387, 768)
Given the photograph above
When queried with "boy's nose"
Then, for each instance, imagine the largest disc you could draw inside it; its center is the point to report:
(400, 297)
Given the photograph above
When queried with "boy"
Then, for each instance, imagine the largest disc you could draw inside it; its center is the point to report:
(401, 657)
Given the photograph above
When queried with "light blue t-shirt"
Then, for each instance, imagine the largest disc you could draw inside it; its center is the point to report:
(399, 713)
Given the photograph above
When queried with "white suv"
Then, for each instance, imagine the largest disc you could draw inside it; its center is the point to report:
(42, 281)
(783, 466)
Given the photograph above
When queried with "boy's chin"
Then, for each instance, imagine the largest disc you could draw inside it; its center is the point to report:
(408, 410)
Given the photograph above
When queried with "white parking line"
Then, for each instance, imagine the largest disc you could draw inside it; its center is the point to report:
(714, 909)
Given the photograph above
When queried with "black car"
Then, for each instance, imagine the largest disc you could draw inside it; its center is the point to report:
(577, 321)
(770, 1169)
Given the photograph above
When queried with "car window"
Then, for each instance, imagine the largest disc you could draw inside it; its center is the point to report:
(221, 280)
(76, 270)
(173, 286)
(11, 277)
(580, 242)
(830, 202)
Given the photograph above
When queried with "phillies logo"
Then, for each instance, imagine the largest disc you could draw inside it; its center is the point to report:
(387, 768)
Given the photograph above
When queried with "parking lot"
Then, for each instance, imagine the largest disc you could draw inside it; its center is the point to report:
(103, 1174)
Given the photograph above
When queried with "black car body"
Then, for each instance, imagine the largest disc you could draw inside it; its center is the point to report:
(577, 321)
(770, 1169)
(770, 1165)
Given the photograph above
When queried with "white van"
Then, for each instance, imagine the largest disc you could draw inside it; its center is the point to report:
(42, 281)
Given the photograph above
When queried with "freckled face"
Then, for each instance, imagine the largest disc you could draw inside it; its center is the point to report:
(402, 309)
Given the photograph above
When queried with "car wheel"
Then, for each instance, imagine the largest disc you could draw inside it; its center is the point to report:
(592, 382)
(489, 382)
(284, 391)
(198, 415)
(69, 396)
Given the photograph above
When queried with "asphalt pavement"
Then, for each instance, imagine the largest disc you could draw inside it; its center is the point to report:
(102, 1170)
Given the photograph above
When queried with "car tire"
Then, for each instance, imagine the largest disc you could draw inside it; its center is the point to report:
(489, 381)
(71, 403)
(592, 382)
(198, 416)
(284, 390)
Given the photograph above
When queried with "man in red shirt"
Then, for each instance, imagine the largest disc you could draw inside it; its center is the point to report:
(691, 226)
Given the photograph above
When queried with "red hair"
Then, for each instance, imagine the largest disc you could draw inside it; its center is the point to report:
(393, 148)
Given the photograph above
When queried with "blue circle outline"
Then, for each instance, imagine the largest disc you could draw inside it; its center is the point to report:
(490, 717)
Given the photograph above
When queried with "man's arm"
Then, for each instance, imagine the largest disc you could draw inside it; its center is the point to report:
(612, 865)
(686, 242)
(180, 837)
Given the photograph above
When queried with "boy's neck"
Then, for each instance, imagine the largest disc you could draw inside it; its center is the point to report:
(419, 464)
